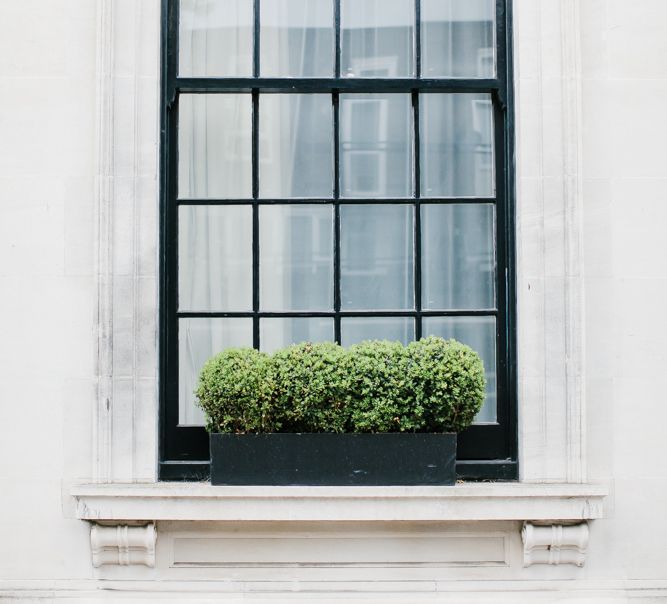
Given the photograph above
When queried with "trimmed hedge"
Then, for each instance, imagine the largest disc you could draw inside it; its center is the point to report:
(433, 385)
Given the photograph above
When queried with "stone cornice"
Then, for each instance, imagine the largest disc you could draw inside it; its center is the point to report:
(462, 502)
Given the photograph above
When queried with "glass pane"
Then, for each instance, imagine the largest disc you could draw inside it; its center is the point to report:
(480, 334)
(357, 329)
(376, 252)
(215, 258)
(278, 333)
(214, 146)
(296, 145)
(457, 38)
(458, 263)
(296, 257)
(377, 38)
(297, 38)
(198, 341)
(215, 38)
(456, 141)
(376, 145)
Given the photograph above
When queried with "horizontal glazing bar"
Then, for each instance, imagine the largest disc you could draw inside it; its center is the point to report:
(305, 85)
(485, 312)
(346, 201)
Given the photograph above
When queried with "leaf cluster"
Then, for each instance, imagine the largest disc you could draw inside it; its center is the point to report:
(432, 385)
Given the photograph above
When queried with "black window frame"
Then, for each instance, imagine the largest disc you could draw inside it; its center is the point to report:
(486, 452)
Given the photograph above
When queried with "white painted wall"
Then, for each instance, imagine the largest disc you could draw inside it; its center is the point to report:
(51, 159)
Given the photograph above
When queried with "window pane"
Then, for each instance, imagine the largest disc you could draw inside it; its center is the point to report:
(456, 138)
(357, 329)
(278, 333)
(480, 334)
(214, 146)
(377, 38)
(297, 38)
(296, 257)
(296, 145)
(199, 340)
(376, 145)
(458, 263)
(215, 38)
(457, 38)
(376, 257)
(215, 258)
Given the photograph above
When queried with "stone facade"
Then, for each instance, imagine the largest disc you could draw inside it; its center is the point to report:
(82, 518)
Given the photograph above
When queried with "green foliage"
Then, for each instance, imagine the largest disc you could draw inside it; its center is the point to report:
(447, 383)
(433, 385)
(377, 398)
(309, 384)
(235, 391)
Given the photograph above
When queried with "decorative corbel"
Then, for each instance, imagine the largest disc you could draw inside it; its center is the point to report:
(554, 544)
(123, 545)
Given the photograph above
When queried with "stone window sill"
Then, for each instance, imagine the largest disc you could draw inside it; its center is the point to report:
(564, 503)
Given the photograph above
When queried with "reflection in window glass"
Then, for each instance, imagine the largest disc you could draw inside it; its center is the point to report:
(357, 329)
(215, 258)
(297, 38)
(296, 257)
(457, 38)
(198, 340)
(376, 141)
(480, 334)
(214, 146)
(377, 38)
(458, 263)
(456, 141)
(376, 252)
(278, 333)
(295, 145)
(215, 38)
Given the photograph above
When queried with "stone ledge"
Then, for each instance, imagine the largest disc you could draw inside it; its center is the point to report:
(549, 503)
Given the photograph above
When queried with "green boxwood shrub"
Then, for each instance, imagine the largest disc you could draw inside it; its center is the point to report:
(377, 398)
(446, 381)
(309, 387)
(235, 391)
(433, 385)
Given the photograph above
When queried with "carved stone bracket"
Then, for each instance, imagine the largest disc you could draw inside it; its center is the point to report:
(123, 545)
(554, 544)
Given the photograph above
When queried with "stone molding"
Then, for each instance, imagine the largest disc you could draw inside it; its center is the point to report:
(554, 544)
(463, 502)
(550, 264)
(123, 545)
(124, 425)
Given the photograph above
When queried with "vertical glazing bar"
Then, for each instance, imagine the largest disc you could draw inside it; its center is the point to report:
(169, 441)
(417, 218)
(255, 178)
(336, 38)
(417, 39)
(255, 52)
(255, 218)
(336, 192)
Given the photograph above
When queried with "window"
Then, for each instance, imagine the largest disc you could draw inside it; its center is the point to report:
(336, 170)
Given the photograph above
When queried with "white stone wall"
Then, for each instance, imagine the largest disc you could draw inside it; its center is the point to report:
(78, 202)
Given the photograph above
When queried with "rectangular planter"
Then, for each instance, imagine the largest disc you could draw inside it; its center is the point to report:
(333, 459)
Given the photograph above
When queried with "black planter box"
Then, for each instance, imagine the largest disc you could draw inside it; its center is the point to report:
(333, 459)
